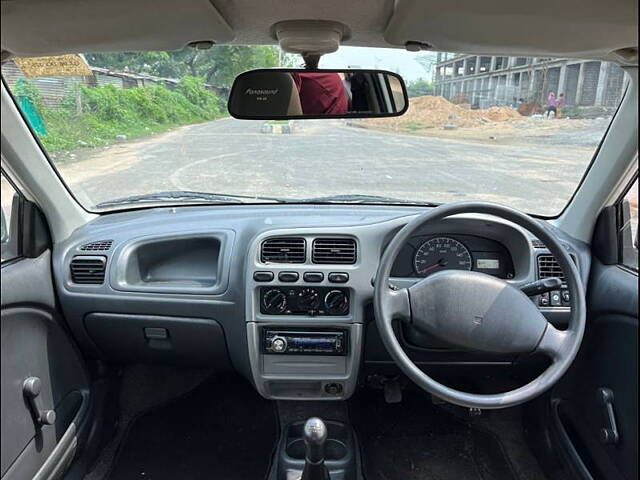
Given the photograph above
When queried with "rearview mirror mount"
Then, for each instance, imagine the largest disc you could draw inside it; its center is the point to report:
(290, 94)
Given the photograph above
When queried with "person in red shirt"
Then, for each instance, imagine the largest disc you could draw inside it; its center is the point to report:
(321, 93)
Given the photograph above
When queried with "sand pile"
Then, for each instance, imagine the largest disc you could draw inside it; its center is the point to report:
(499, 114)
(436, 112)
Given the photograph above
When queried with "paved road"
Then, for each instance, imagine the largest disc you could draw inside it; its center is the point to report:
(326, 158)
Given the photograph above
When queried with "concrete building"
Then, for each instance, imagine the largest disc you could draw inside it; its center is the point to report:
(485, 81)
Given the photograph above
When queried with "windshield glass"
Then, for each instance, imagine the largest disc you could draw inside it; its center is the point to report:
(125, 129)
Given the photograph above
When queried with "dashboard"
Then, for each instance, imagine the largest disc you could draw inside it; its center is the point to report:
(281, 294)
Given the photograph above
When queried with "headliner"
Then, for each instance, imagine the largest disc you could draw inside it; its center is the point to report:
(570, 28)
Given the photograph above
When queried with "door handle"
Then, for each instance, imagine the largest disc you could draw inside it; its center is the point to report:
(609, 433)
(31, 388)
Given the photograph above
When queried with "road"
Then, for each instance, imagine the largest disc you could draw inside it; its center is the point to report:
(327, 158)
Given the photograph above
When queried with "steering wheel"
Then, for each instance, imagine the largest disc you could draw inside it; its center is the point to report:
(479, 312)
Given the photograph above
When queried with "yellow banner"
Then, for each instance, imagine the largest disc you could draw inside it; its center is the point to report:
(60, 66)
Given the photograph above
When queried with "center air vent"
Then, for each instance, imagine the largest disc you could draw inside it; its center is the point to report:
(549, 267)
(334, 251)
(97, 246)
(88, 269)
(284, 250)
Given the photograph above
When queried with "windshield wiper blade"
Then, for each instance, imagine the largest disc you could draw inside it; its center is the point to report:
(183, 196)
(355, 198)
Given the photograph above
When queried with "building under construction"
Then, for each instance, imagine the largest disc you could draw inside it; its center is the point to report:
(485, 81)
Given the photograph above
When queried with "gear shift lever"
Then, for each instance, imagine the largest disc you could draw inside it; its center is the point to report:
(315, 436)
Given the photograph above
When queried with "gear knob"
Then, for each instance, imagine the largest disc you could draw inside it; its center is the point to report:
(315, 436)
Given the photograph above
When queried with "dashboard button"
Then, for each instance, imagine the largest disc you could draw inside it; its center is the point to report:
(555, 299)
(288, 276)
(313, 277)
(544, 300)
(263, 276)
(338, 277)
(566, 297)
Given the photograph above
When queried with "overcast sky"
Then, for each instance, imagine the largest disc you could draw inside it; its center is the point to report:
(394, 59)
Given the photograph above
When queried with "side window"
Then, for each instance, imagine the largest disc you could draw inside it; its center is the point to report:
(628, 228)
(9, 230)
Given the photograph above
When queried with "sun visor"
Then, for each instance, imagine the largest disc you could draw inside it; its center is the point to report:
(571, 28)
(52, 27)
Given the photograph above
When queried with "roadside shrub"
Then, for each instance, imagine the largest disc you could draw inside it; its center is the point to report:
(109, 111)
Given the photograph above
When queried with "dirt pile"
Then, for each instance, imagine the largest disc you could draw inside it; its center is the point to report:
(436, 112)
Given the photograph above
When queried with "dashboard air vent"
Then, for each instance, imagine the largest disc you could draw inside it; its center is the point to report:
(538, 243)
(97, 246)
(88, 269)
(334, 251)
(284, 250)
(548, 267)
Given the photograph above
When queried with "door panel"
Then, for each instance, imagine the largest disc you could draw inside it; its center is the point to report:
(608, 359)
(34, 343)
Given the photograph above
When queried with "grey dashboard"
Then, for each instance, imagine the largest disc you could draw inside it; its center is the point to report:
(179, 285)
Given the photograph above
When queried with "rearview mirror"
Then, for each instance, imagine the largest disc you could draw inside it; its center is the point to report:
(283, 94)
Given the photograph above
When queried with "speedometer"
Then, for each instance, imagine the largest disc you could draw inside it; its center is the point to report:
(441, 253)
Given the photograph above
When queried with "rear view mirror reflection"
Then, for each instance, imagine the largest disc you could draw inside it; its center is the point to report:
(280, 94)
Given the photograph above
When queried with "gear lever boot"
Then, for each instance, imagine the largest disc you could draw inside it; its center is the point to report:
(315, 436)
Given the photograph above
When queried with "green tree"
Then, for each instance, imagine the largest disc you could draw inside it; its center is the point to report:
(419, 87)
(218, 65)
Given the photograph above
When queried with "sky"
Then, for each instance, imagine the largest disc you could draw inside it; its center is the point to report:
(393, 59)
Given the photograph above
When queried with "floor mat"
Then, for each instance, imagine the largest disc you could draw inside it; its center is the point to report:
(221, 430)
(415, 440)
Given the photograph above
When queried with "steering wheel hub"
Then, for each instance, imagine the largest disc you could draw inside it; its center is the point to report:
(486, 314)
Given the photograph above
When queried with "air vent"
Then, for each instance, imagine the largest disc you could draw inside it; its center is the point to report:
(97, 246)
(88, 269)
(334, 251)
(538, 243)
(548, 267)
(284, 250)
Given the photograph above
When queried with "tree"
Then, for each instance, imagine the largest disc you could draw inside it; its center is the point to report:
(420, 87)
(218, 65)
(427, 60)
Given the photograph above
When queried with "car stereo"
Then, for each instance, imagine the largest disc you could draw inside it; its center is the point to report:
(304, 342)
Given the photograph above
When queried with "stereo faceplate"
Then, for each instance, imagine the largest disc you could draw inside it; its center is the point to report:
(304, 342)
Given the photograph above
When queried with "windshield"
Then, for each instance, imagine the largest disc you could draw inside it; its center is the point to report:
(148, 128)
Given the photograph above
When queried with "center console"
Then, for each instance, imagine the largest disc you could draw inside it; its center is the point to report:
(304, 325)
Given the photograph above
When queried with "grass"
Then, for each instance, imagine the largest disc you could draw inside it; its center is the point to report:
(108, 113)
(415, 126)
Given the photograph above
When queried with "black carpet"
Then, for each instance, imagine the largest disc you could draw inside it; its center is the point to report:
(415, 440)
(222, 430)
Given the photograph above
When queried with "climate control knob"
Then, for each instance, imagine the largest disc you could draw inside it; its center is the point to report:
(336, 302)
(274, 301)
(308, 299)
